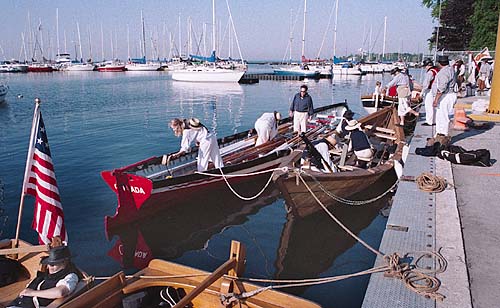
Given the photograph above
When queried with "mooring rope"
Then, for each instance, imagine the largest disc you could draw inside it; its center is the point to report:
(431, 183)
(225, 177)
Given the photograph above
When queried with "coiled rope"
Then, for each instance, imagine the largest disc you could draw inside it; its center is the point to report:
(431, 183)
(225, 177)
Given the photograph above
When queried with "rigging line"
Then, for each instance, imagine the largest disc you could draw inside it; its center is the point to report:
(326, 30)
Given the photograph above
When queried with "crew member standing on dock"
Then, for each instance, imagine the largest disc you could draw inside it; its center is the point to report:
(430, 75)
(402, 82)
(301, 110)
(444, 96)
(267, 127)
(192, 130)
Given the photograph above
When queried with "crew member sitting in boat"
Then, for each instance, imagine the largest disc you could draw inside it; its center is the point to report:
(60, 280)
(267, 127)
(340, 131)
(193, 130)
(360, 143)
(318, 159)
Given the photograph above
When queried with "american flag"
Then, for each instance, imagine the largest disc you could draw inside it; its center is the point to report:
(48, 219)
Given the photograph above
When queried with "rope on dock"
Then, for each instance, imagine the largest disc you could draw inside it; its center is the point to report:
(226, 176)
(431, 183)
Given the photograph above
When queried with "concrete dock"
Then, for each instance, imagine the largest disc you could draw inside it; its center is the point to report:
(461, 222)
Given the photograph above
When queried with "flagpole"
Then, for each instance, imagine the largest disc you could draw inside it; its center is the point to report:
(28, 167)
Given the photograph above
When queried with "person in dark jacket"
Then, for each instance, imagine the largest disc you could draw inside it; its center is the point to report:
(301, 109)
(58, 281)
(359, 143)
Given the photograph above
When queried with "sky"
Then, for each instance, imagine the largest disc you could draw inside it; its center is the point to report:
(261, 26)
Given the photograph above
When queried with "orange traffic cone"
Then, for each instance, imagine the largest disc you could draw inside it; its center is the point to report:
(460, 120)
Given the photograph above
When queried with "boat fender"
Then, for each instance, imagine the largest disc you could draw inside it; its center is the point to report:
(406, 150)
(398, 168)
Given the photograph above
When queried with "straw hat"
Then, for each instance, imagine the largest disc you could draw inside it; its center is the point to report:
(195, 123)
(352, 125)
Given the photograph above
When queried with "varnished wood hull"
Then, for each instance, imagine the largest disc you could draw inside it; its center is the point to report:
(111, 293)
(341, 184)
(31, 264)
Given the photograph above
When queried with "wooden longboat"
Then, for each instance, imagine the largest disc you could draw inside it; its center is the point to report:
(147, 187)
(201, 288)
(371, 105)
(28, 257)
(384, 134)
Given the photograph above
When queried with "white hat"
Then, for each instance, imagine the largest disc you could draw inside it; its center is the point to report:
(194, 123)
(352, 125)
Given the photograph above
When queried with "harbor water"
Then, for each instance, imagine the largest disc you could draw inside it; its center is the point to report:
(100, 121)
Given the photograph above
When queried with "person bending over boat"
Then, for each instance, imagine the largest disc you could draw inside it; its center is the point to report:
(402, 82)
(267, 127)
(58, 281)
(359, 143)
(319, 158)
(192, 130)
(301, 109)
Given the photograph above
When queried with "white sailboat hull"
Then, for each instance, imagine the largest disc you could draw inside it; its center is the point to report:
(143, 67)
(205, 74)
(79, 68)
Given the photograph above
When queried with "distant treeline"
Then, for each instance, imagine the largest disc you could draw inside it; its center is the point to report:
(465, 24)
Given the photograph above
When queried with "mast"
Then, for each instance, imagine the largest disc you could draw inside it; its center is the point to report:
(304, 30)
(385, 35)
(128, 43)
(143, 37)
(90, 43)
(213, 25)
(291, 35)
(57, 30)
(335, 30)
(79, 41)
(180, 38)
(102, 43)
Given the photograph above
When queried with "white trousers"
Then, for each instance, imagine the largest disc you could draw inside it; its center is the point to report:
(365, 154)
(265, 131)
(323, 150)
(443, 112)
(209, 151)
(300, 121)
(403, 107)
(430, 110)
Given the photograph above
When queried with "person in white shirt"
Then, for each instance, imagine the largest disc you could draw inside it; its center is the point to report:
(444, 95)
(193, 131)
(430, 76)
(60, 280)
(402, 82)
(267, 127)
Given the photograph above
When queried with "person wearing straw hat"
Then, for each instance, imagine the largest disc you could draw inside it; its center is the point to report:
(193, 130)
(267, 127)
(444, 95)
(402, 81)
(359, 143)
(60, 280)
(301, 109)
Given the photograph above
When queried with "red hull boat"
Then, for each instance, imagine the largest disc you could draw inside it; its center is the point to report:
(147, 187)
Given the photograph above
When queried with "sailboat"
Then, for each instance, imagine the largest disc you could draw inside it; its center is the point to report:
(141, 64)
(211, 70)
(79, 66)
(303, 69)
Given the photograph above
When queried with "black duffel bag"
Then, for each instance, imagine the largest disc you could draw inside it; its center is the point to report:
(458, 155)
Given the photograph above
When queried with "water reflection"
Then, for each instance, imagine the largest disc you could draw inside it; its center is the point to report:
(186, 227)
(309, 246)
